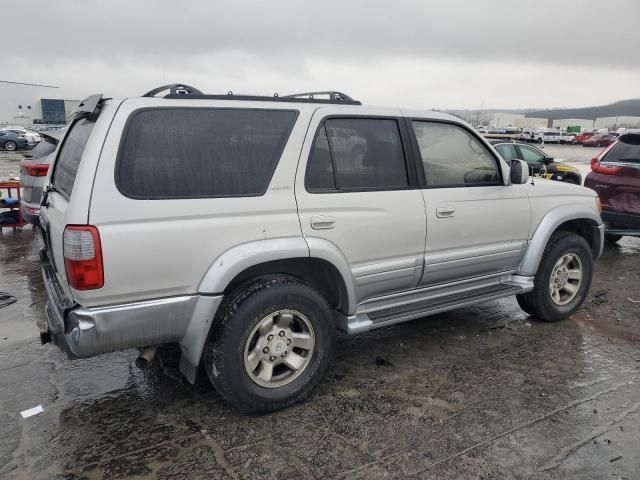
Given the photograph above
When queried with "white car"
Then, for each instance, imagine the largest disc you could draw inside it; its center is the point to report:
(249, 229)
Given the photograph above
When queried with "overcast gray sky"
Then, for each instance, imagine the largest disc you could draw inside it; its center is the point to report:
(422, 53)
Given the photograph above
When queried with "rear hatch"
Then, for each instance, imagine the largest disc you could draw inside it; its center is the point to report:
(616, 176)
(67, 195)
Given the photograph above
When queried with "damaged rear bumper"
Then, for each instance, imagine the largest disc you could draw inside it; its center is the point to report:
(85, 332)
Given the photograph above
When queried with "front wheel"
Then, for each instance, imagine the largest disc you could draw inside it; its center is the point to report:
(563, 278)
(272, 344)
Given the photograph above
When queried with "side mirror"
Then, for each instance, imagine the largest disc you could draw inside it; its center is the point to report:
(519, 172)
(547, 160)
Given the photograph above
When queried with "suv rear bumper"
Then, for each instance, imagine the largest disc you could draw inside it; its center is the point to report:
(622, 223)
(85, 332)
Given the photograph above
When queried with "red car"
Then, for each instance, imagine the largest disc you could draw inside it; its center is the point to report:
(600, 140)
(615, 176)
(583, 137)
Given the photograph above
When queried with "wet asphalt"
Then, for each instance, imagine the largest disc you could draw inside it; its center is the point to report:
(483, 392)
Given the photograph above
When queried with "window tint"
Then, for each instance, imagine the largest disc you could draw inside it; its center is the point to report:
(451, 156)
(70, 154)
(366, 154)
(507, 151)
(201, 152)
(531, 155)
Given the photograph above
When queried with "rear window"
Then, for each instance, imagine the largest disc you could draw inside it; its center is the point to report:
(44, 148)
(626, 150)
(201, 152)
(66, 169)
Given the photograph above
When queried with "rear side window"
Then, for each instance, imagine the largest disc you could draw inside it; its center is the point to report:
(357, 154)
(201, 152)
(626, 150)
(70, 154)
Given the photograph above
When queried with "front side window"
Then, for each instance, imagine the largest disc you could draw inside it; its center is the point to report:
(531, 155)
(201, 152)
(68, 160)
(452, 157)
(356, 154)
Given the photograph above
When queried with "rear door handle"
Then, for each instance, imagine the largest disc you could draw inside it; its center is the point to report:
(322, 222)
(444, 212)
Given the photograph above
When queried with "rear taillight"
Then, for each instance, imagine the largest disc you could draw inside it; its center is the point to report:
(597, 167)
(83, 257)
(34, 169)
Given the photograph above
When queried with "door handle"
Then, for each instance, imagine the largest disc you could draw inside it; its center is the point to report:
(444, 212)
(322, 222)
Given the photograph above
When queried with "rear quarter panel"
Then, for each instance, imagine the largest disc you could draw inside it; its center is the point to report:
(161, 248)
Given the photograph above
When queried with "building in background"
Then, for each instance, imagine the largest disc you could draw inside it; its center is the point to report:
(28, 104)
(530, 122)
(614, 123)
(564, 123)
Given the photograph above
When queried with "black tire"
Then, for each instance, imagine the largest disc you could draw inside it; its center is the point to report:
(612, 239)
(539, 140)
(239, 314)
(538, 302)
(10, 146)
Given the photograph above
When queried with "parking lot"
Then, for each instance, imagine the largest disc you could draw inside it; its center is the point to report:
(482, 392)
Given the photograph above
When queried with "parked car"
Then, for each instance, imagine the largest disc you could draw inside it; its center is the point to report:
(600, 140)
(32, 137)
(565, 138)
(583, 137)
(33, 174)
(540, 164)
(9, 140)
(231, 226)
(615, 176)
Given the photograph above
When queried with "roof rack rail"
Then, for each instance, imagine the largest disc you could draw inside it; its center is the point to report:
(174, 89)
(332, 94)
(181, 90)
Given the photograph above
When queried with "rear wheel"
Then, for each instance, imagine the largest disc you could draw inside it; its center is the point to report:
(272, 345)
(10, 146)
(563, 278)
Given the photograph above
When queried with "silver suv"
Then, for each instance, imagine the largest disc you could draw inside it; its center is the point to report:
(249, 229)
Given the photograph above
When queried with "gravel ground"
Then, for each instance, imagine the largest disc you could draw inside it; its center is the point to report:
(482, 392)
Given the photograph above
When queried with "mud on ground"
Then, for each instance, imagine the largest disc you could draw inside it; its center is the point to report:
(483, 392)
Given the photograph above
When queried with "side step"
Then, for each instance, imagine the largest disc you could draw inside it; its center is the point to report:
(367, 321)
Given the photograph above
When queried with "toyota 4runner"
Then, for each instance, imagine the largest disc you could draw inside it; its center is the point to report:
(249, 229)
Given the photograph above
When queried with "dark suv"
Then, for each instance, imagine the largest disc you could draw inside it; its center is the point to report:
(615, 176)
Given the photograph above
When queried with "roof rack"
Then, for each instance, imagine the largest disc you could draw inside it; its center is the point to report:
(181, 90)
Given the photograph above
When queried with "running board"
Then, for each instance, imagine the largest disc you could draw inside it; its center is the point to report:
(624, 233)
(365, 321)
